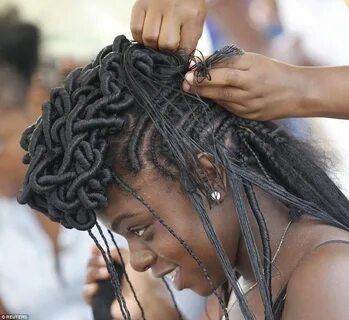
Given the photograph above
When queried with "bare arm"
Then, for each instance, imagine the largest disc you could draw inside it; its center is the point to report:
(328, 92)
(318, 289)
(256, 87)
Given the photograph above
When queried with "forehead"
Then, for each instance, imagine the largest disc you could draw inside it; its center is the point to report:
(164, 195)
(148, 184)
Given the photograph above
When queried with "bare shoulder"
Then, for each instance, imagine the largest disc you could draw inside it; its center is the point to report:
(319, 287)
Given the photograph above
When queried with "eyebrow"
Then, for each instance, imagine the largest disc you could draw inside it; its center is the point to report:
(116, 222)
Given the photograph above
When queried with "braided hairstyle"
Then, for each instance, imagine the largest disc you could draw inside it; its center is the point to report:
(127, 107)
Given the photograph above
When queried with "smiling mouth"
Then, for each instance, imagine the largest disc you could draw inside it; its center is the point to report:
(172, 275)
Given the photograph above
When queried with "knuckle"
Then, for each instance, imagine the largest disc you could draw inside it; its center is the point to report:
(136, 30)
(168, 45)
(198, 12)
(227, 93)
(150, 39)
(230, 76)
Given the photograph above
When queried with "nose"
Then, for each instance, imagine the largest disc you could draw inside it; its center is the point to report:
(141, 259)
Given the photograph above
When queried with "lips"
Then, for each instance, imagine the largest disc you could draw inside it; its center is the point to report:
(175, 278)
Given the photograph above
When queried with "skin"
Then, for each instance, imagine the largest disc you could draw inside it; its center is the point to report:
(168, 24)
(297, 263)
(253, 86)
(256, 87)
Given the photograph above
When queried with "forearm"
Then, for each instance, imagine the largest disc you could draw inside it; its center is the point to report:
(325, 92)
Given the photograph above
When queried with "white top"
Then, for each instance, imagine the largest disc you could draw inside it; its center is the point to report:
(29, 282)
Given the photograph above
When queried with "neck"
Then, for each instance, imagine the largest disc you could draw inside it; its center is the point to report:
(276, 218)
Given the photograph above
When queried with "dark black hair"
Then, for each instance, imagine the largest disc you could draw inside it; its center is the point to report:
(127, 107)
(19, 45)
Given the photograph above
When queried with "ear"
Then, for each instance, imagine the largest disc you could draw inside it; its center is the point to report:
(213, 174)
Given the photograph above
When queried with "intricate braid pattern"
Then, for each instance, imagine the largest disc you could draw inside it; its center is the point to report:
(66, 178)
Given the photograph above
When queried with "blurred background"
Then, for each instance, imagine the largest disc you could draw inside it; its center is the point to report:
(42, 267)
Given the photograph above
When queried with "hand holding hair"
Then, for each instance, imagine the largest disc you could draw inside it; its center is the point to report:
(168, 24)
(150, 291)
(256, 87)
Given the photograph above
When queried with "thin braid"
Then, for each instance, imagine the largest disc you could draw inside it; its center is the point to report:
(267, 259)
(116, 287)
(126, 275)
(155, 155)
(133, 144)
(243, 139)
(250, 242)
(114, 273)
(173, 298)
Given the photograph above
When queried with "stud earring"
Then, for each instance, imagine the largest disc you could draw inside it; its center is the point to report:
(215, 196)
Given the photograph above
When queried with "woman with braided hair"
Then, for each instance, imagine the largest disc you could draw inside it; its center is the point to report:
(233, 208)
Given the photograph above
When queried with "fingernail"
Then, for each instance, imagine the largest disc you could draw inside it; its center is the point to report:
(186, 86)
(189, 77)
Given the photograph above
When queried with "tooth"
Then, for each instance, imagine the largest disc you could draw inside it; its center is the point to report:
(171, 275)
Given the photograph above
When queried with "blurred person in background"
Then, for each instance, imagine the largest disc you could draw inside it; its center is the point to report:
(38, 275)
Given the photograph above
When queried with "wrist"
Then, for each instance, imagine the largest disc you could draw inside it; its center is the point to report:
(308, 92)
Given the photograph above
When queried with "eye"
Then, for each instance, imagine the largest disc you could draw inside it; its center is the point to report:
(138, 232)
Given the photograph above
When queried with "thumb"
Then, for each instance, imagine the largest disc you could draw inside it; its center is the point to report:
(132, 306)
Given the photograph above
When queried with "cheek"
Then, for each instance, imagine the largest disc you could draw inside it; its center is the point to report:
(228, 232)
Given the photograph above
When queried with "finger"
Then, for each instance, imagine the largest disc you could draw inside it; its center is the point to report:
(227, 94)
(95, 251)
(234, 108)
(96, 274)
(137, 22)
(169, 34)
(220, 77)
(89, 291)
(190, 35)
(115, 257)
(96, 262)
(151, 29)
(132, 307)
(239, 62)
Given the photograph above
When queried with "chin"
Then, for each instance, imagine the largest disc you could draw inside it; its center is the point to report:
(203, 291)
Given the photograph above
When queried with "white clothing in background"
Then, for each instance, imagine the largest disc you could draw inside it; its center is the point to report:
(29, 282)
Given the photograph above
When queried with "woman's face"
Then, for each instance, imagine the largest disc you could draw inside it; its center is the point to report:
(152, 246)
